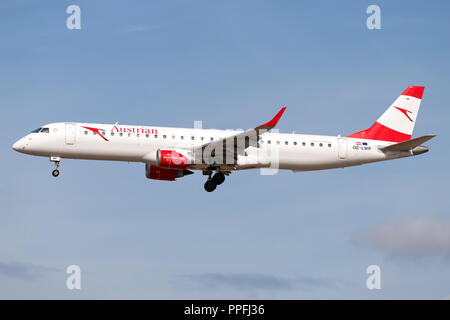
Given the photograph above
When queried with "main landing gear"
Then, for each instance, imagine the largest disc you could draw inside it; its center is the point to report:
(212, 182)
(56, 160)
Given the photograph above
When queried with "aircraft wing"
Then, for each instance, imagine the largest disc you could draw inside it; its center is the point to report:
(230, 147)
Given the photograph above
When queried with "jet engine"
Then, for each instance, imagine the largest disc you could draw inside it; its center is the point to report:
(171, 159)
(158, 173)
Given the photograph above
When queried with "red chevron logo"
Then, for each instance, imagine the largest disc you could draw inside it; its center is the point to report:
(97, 131)
(405, 112)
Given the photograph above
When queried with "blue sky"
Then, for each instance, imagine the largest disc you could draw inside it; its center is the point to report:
(230, 64)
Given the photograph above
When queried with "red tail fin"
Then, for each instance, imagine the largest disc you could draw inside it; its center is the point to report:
(397, 123)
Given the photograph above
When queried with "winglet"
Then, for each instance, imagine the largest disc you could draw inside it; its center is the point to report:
(272, 123)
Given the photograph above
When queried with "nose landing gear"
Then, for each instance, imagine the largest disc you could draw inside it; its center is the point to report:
(55, 173)
(56, 160)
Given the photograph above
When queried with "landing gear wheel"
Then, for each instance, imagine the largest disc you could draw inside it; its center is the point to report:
(219, 178)
(55, 173)
(210, 185)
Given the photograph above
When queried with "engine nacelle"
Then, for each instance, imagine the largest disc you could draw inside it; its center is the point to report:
(158, 173)
(171, 159)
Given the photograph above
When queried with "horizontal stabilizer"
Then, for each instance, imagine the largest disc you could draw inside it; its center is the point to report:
(409, 144)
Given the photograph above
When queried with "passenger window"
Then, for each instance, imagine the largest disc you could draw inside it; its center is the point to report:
(147, 135)
(120, 134)
(329, 145)
(192, 138)
(85, 132)
(164, 136)
(137, 135)
(286, 143)
(201, 138)
(95, 133)
(103, 133)
(212, 139)
(173, 137)
(295, 143)
(321, 144)
(156, 136)
(112, 133)
(129, 134)
(278, 142)
(303, 143)
(312, 144)
(182, 137)
(268, 141)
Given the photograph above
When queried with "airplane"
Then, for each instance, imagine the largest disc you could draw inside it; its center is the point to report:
(171, 153)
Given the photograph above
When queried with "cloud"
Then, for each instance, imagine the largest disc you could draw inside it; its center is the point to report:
(411, 238)
(252, 281)
(23, 271)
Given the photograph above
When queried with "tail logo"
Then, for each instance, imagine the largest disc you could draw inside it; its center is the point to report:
(405, 112)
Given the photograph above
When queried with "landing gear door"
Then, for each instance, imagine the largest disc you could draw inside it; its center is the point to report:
(342, 145)
(70, 133)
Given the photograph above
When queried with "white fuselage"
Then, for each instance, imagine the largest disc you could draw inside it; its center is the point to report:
(297, 152)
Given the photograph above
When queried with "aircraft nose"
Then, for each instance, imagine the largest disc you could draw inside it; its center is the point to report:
(18, 146)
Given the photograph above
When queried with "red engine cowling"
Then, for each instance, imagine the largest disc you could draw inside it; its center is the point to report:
(157, 173)
(171, 159)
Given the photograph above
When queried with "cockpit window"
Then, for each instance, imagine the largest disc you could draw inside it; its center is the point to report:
(44, 130)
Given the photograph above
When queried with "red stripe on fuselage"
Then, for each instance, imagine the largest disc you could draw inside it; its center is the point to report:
(379, 132)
